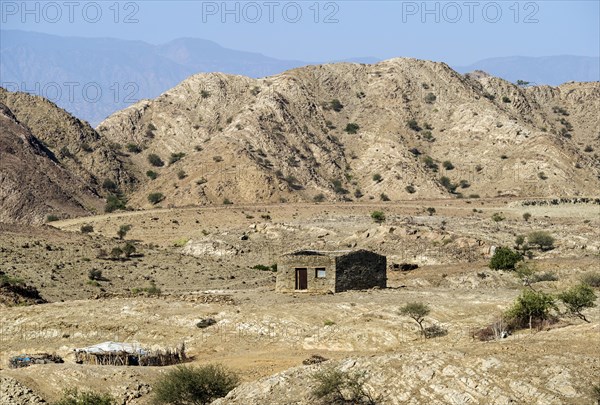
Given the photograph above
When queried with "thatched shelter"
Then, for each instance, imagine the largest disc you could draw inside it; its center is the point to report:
(128, 354)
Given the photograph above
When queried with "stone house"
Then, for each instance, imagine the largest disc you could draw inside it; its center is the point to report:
(330, 271)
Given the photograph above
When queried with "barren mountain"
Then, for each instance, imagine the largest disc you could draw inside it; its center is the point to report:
(393, 130)
(33, 183)
(75, 144)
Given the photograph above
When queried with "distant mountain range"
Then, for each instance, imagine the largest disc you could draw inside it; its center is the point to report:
(551, 70)
(94, 77)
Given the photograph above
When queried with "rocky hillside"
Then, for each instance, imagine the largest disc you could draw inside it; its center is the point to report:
(33, 183)
(400, 129)
(76, 145)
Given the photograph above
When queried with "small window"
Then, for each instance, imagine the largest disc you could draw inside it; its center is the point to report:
(320, 272)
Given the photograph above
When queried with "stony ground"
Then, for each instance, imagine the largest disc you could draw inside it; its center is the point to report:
(265, 336)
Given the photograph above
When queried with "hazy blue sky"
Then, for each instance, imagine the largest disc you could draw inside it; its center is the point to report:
(458, 32)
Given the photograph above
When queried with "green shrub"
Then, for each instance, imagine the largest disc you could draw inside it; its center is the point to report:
(338, 187)
(86, 228)
(414, 125)
(129, 249)
(542, 239)
(152, 174)
(577, 299)
(352, 128)
(588, 148)
(377, 178)
(336, 105)
(155, 160)
(194, 385)
(227, 201)
(504, 258)
(334, 386)
(181, 174)
(447, 184)
(531, 307)
(319, 197)
(133, 148)
(262, 267)
(52, 218)
(447, 165)
(498, 217)
(505, 99)
(204, 94)
(384, 197)
(123, 229)
(114, 202)
(430, 163)
(176, 157)
(75, 397)
(430, 211)
(591, 279)
(378, 216)
(155, 198)
(410, 189)
(109, 185)
(526, 216)
(95, 274)
(430, 98)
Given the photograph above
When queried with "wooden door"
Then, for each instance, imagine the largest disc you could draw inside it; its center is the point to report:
(301, 279)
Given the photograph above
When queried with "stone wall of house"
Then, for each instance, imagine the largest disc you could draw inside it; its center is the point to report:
(286, 272)
(360, 270)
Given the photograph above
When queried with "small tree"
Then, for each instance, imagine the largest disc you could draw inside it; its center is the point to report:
(194, 385)
(319, 197)
(430, 211)
(152, 175)
(378, 216)
(417, 311)
(531, 306)
(578, 298)
(109, 185)
(542, 239)
(116, 252)
(114, 203)
(448, 165)
(519, 241)
(122, 232)
(504, 258)
(526, 216)
(377, 178)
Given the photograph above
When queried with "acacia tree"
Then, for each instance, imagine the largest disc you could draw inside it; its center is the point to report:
(417, 311)
(577, 299)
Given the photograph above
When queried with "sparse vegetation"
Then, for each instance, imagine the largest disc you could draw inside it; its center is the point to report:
(430, 98)
(336, 105)
(577, 299)
(542, 239)
(414, 125)
(591, 279)
(504, 258)
(416, 311)
(447, 184)
(430, 163)
(531, 307)
(384, 197)
(95, 274)
(133, 148)
(352, 128)
(227, 201)
(334, 386)
(114, 203)
(181, 174)
(155, 160)
(319, 197)
(194, 385)
(152, 175)
(86, 228)
(447, 165)
(110, 186)
(52, 218)
(155, 198)
(75, 397)
(262, 267)
(378, 216)
(123, 230)
(176, 157)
